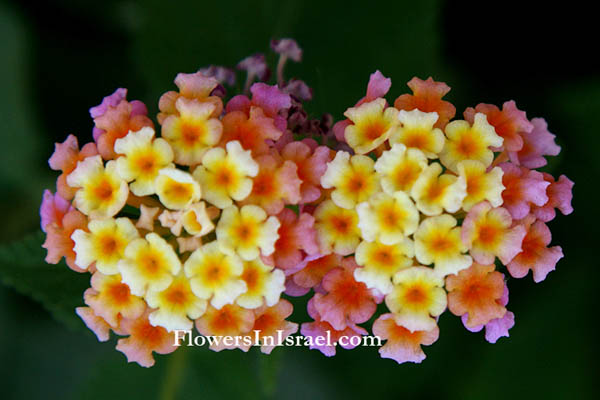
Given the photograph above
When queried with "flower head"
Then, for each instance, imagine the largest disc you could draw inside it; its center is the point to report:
(116, 122)
(215, 276)
(229, 320)
(434, 193)
(535, 255)
(65, 158)
(275, 185)
(476, 291)
(192, 131)
(149, 264)
(372, 124)
(418, 131)
(560, 195)
(104, 244)
(537, 143)
(311, 164)
(402, 345)
(144, 339)
(346, 301)
(102, 192)
(388, 219)
(417, 298)
(481, 184)
(143, 157)
(438, 242)
(487, 232)
(176, 189)
(225, 175)
(265, 284)
(247, 231)
(319, 328)
(380, 262)
(399, 168)
(112, 299)
(353, 178)
(297, 237)
(523, 188)
(469, 142)
(510, 123)
(253, 131)
(270, 322)
(175, 305)
(427, 97)
(337, 228)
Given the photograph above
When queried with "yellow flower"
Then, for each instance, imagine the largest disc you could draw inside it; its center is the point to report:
(215, 276)
(149, 264)
(265, 285)
(466, 142)
(247, 232)
(102, 193)
(417, 131)
(380, 262)
(417, 298)
(481, 185)
(373, 125)
(438, 241)
(337, 229)
(354, 179)
(387, 218)
(175, 305)
(144, 157)
(434, 193)
(104, 244)
(176, 189)
(196, 220)
(226, 175)
(193, 131)
(400, 167)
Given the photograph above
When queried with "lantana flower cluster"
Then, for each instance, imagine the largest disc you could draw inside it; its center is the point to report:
(217, 214)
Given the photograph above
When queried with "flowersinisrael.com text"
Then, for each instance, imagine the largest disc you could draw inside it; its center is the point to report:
(186, 338)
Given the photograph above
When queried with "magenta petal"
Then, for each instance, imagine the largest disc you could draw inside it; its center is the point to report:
(497, 328)
(53, 209)
(109, 101)
(270, 98)
(378, 86)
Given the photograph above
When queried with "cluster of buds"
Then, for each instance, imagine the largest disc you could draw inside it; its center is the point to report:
(390, 216)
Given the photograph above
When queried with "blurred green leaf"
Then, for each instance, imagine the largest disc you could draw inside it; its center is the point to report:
(56, 287)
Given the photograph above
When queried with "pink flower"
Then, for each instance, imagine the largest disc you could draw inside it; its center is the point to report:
(297, 237)
(95, 323)
(288, 48)
(537, 143)
(53, 209)
(560, 194)
(65, 158)
(498, 327)
(115, 123)
(311, 163)
(271, 99)
(510, 123)
(346, 301)
(144, 339)
(402, 345)
(378, 86)
(536, 255)
(323, 329)
(523, 188)
(255, 66)
(58, 239)
(427, 97)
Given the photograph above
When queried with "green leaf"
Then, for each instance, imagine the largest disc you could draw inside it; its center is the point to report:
(56, 287)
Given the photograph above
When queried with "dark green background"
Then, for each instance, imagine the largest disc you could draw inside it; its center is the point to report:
(59, 58)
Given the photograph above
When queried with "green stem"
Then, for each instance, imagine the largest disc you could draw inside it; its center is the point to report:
(173, 374)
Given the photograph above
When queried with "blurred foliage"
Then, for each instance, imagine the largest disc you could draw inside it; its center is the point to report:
(60, 57)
